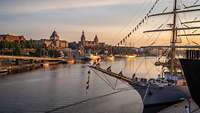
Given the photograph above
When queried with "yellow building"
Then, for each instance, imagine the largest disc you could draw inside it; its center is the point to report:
(54, 42)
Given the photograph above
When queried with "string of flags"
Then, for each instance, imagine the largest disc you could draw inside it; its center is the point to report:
(88, 83)
(139, 24)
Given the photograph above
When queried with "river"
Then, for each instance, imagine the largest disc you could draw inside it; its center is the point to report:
(62, 89)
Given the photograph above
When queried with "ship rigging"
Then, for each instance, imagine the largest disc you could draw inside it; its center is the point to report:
(150, 90)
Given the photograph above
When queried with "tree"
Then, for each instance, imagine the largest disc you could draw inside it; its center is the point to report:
(17, 50)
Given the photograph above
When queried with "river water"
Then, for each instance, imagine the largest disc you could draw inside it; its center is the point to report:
(62, 89)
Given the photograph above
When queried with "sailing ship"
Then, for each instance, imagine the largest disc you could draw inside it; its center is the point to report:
(165, 89)
(154, 91)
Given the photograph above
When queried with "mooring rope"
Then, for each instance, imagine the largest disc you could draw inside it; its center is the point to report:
(83, 101)
(108, 83)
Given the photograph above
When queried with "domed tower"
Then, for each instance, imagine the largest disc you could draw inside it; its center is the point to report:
(54, 36)
(96, 40)
(54, 40)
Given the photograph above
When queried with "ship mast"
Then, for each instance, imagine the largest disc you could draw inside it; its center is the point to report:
(173, 41)
(174, 30)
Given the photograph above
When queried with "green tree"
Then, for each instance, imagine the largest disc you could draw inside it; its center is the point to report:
(17, 50)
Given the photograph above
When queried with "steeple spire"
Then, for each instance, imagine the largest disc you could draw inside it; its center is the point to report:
(96, 40)
(83, 37)
(83, 33)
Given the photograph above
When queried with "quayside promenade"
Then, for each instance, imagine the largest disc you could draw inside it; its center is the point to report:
(180, 108)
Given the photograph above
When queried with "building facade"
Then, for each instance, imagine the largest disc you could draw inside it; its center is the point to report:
(90, 44)
(54, 42)
(12, 38)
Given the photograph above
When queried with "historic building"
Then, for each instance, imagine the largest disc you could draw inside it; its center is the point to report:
(54, 42)
(90, 44)
(11, 38)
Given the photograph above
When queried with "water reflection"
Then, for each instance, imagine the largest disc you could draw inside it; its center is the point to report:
(45, 89)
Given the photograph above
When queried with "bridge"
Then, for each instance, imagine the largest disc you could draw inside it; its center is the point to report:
(32, 58)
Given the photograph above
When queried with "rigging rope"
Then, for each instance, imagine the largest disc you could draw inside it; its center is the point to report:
(186, 33)
(108, 83)
(133, 18)
(86, 100)
(159, 27)
(184, 30)
(139, 24)
(195, 2)
(138, 67)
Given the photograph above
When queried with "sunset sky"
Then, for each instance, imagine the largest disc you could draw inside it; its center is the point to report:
(111, 20)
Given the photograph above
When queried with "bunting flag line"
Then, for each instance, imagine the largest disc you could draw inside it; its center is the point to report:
(88, 83)
(140, 23)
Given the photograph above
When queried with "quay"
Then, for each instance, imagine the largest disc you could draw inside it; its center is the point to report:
(31, 58)
(180, 107)
(19, 68)
(12, 69)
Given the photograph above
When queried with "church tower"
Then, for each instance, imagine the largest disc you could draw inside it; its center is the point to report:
(96, 40)
(83, 38)
(54, 36)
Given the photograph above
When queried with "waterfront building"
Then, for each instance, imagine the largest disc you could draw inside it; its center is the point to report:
(11, 38)
(90, 44)
(54, 42)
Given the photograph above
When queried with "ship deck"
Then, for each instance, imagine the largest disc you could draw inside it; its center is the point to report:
(180, 108)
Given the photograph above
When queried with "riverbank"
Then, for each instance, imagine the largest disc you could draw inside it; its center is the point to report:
(13, 69)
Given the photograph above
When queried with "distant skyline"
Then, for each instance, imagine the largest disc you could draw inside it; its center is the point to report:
(35, 19)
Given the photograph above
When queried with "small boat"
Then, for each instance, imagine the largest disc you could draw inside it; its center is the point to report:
(121, 56)
(3, 71)
(125, 56)
(131, 56)
(94, 57)
(46, 64)
(70, 60)
(110, 57)
(90, 57)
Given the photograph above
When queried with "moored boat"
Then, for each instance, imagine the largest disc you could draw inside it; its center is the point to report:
(3, 71)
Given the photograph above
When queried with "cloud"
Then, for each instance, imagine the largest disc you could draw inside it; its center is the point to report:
(28, 6)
